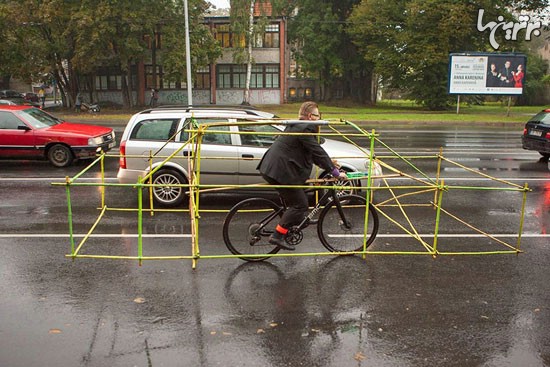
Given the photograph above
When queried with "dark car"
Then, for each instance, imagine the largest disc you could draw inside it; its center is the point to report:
(536, 134)
(9, 94)
(29, 133)
(17, 98)
(31, 97)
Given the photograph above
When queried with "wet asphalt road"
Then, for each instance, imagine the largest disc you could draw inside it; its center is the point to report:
(293, 311)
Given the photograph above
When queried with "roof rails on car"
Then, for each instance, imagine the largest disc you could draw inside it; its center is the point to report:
(201, 107)
(190, 108)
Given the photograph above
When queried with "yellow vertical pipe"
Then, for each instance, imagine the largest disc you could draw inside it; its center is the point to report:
(140, 221)
(368, 194)
(438, 173)
(522, 218)
(151, 188)
(69, 212)
(439, 191)
(102, 172)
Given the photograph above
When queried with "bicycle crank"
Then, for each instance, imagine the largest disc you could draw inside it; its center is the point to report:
(294, 236)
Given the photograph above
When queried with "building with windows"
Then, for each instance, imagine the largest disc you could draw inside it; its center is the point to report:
(221, 83)
(269, 70)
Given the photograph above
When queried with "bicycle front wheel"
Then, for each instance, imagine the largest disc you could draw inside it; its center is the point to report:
(344, 231)
(247, 228)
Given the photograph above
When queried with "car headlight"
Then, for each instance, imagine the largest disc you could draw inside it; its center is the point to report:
(376, 169)
(95, 141)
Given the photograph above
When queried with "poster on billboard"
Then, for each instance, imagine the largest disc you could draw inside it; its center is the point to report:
(487, 73)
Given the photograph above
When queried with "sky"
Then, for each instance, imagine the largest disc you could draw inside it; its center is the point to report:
(220, 4)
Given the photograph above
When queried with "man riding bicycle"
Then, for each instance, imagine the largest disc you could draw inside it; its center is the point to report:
(289, 161)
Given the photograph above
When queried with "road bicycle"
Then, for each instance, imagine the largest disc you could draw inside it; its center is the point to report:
(340, 225)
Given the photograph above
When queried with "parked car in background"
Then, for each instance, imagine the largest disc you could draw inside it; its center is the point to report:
(9, 94)
(536, 134)
(31, 97)
(30, 133)
(18, 102)
(8, 102)
(16, 98)
(228, 157)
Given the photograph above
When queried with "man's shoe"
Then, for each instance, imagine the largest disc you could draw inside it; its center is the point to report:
(280, 241)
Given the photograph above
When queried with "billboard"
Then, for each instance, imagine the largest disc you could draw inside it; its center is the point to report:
(487, 73)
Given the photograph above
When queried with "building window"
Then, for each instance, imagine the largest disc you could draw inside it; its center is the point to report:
(224, 76)
(149, 81)
(271, 36)
(268, 39)
(292, 93)
(234, 76)
(231, 76)
(223, 36)
(202, 78)
(108, 81)
(271, 76)
(257, 77)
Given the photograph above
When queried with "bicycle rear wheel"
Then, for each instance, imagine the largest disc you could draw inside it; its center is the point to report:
(333, 232)
(247, 228)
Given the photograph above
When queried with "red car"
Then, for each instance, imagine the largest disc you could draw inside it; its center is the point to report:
(30, 133)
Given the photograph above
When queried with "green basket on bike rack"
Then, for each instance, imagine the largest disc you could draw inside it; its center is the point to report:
(353, 175)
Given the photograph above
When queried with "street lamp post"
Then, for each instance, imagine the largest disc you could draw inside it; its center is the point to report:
(188, 57)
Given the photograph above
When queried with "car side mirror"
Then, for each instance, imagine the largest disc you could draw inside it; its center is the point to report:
(23, 127)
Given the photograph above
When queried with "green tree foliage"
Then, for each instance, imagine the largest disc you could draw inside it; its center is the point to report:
(40, 38)
(535, 81)
(204, 48)
(409, 41)
(243, 31)
(68, 39)
(323, 49)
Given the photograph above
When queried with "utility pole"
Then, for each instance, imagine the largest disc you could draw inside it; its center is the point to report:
(188, 57)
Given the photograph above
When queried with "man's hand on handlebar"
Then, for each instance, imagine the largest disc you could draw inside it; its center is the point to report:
(338, 174)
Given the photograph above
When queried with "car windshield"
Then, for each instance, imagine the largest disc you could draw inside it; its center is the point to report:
(39, 119)
(541, 117)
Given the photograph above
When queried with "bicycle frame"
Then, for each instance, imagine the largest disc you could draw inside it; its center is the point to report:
(330, 194)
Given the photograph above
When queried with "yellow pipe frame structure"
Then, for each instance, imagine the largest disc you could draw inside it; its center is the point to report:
(394, 204)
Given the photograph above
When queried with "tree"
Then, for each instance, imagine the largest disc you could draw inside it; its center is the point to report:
(323, 49)
(244, 30)
(204, 51)
(117, 37)
(68, 39)
(41, 40)
(409, 41)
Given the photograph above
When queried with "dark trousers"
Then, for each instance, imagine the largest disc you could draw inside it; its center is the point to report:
(296, 202)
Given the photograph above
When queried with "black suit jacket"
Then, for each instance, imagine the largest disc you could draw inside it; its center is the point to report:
(290, 159)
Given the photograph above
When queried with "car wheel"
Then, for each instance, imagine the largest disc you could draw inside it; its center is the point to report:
(60, 155)
(167, 194)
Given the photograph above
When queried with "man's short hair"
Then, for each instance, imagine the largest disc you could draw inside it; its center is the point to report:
(306, 108)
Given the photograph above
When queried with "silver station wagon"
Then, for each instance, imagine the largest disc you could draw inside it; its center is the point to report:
(228, 158)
